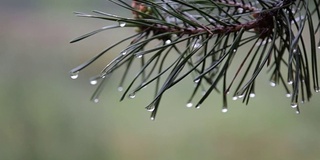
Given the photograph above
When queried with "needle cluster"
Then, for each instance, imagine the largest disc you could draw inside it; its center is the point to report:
(207, 38)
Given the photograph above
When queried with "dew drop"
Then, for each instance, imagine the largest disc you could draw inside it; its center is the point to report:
(317, 89)
(297, 112)
(174, 35)
(197, 45)
(150, 108)
(74, 75)
(124, 53)
(144, 85)
(197, 80)
(290, 82)
(122, 24)
(240, 10)
(272, 84)
(120, 88)
(234, 98)
(294, 105)
(319, 46)
(132, 95)
(240, 96)
(167, 42)
(252, 95)
(294, 50)
(198, 106)
(93, 82)
(224, 110)
(152, 118)
(139, 55)
(234, 50)
(96, 100)
(189, 104)
(288, 95)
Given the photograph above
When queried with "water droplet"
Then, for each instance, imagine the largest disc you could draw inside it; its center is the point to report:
(319, 46)
(139, 55)
(196, 43)
(152, 118)
(132, 95)
(290, 82)
(234, 98)
(294, 105)
(198, 106)
(150, 108)
(74, 75)
(272, 84)
(189, 104)
(294, 50)
(93, 82)
(224, 110)
(297, 112)
(240, 96)
(96, 100)
(124, 53)
(234, 50)
(288, 95)
(252, 95)
(122, 24)
(167, 42)
(120, 88)
(240, 10)
(317, 89)
(197, 80)
(144, 85)
(174, 35)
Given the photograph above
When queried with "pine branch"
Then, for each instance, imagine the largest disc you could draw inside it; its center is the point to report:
(206, 36)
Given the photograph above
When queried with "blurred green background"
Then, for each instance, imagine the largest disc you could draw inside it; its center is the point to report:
(45, 115)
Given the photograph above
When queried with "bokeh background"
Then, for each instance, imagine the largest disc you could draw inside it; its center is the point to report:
(45, 115)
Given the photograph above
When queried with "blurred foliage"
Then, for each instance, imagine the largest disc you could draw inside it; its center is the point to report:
(45, 115)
